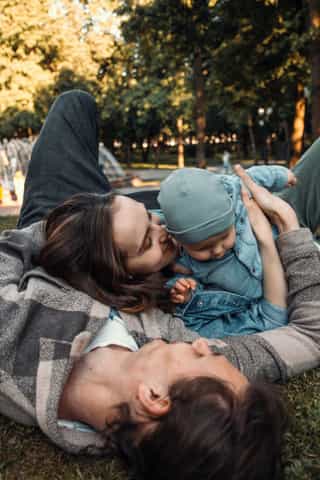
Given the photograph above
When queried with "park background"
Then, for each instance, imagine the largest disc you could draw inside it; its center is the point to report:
(177, 83)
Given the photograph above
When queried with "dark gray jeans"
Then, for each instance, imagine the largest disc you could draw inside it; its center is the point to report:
(305, 196)
(65, 157)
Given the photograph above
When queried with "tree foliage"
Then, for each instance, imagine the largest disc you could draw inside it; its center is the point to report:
(46, 47)
(161, 68)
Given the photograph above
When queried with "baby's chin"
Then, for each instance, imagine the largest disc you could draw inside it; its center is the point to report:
(219, 257)
(224, 254)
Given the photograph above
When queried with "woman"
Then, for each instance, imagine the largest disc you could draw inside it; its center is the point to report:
(54, 363)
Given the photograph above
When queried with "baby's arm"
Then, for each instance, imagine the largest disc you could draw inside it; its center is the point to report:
(274, 177)
(274, 282)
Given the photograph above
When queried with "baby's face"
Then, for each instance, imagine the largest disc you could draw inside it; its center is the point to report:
(214, 247)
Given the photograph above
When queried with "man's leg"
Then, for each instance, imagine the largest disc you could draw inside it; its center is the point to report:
(305, 196)
(64, 159)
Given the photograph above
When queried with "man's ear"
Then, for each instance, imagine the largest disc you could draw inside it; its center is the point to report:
(154, 402)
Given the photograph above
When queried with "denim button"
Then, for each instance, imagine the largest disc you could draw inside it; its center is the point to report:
(200, 303)
(253, 270)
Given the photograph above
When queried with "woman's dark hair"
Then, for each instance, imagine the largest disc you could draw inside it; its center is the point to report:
(79, 248)
(210, 433)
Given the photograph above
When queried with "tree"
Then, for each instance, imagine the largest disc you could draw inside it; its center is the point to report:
(260, 63)
(314, 6)
(186, 32)
(48, 47)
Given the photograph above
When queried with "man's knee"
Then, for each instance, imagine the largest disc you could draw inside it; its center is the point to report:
(75, 101)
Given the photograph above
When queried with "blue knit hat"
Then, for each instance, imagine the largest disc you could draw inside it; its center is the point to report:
(195, 205)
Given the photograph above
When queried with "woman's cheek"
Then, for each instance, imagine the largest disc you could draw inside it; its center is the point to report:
(160, 260)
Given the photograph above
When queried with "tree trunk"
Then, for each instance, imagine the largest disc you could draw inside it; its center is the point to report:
(314, 9)
(156, 155)
(287, 141)
(180, 143)
(252, 139)
(200, 110)
(298, 125)
(145, 151)
(128, 158)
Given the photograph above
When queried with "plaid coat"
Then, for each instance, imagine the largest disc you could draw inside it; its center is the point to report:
(45, 324)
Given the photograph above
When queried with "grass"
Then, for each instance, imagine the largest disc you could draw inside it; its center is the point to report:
(25, 453)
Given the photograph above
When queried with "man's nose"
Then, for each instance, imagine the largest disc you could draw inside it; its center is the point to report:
(201, 347)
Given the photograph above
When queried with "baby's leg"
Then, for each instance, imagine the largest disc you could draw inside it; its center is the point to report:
(305, 196)
(65, 157)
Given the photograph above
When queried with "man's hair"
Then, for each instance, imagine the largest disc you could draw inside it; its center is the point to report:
(209, 433)
(80, 249)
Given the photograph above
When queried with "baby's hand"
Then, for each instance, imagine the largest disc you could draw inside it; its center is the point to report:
(292, 179)
(181, 291)
(279, 211)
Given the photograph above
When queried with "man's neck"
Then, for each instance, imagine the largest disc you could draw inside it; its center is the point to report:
(95, 385)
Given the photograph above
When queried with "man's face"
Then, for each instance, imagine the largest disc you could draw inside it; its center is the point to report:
(172, 362)
(108, 376)
(213, 248)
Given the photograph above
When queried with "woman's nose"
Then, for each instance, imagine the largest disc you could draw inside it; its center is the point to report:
(163, 234)
(155, 219)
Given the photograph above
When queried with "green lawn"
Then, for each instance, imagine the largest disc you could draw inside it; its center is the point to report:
(26, 454)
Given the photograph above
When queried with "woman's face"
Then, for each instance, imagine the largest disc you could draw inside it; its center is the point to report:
(138, 235)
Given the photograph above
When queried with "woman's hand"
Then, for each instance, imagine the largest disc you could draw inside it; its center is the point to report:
(279, 211)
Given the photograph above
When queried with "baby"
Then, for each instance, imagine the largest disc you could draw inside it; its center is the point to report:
(204, 212)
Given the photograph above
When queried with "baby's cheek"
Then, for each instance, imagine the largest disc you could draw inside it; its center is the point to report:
(231, 242)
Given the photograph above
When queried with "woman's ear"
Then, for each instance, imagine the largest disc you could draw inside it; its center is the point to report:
(155, 402)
